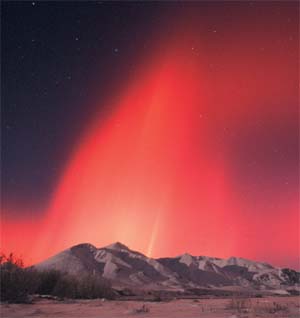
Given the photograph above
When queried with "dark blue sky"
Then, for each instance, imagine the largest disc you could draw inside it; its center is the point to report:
(57, 57)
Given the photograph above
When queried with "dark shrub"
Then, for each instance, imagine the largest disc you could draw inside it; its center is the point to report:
(55, 283)
(93, 286)
(17, 283)
(48, 281)
(66, 287)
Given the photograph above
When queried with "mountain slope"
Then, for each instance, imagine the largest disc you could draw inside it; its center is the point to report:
(127, 268)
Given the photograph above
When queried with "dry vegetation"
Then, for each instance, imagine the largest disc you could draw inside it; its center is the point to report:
(18, 284)
(271, 307)
(258, 308)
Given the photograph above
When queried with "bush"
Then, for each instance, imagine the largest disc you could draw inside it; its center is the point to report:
(66, 287)
(141, 310)
(69, 286)
(276, 307)
(241, 305)
(92, 286)
(18, 283)
(48, 281)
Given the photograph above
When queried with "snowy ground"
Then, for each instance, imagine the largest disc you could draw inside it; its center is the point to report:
(280, 307)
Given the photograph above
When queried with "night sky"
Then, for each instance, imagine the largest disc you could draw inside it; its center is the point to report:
(169, 126)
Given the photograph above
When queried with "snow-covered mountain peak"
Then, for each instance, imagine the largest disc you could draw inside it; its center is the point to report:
(186, 258)
(251, 265)
(117, 246)
(87, 246)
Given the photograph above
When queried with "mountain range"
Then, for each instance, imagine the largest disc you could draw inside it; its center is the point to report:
(126, 268)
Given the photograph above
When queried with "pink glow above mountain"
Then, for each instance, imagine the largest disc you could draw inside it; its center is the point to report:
(183, 162)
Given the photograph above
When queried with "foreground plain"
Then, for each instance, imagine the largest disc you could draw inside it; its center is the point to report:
(182, 308)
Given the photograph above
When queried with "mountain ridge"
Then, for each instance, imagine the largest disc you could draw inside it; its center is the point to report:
(126, 268)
